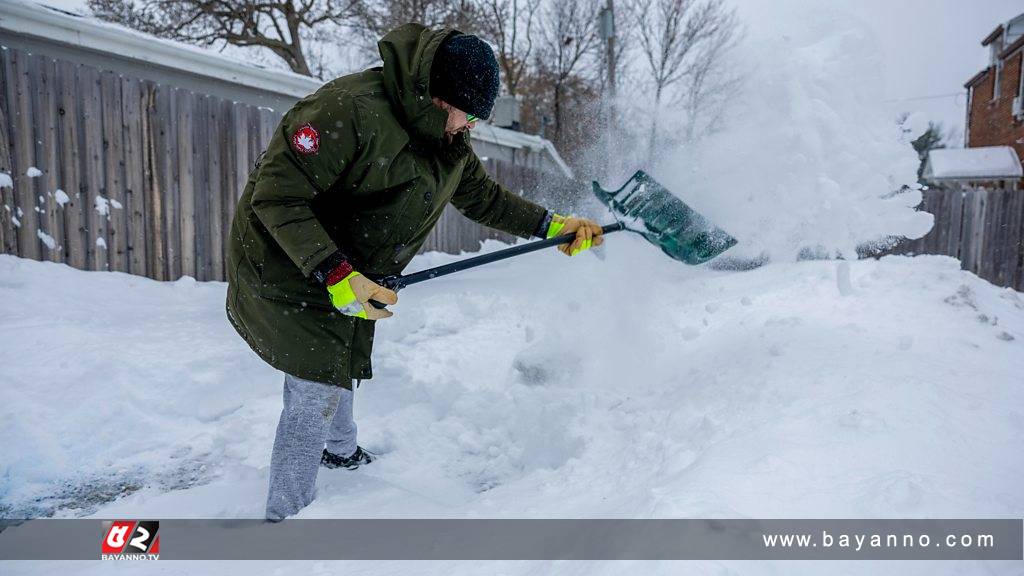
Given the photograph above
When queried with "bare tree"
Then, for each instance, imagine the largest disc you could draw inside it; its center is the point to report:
(568, 41)
(376, 17)
(278, 25)
(682, 41)
(510, 25)
(709, 85)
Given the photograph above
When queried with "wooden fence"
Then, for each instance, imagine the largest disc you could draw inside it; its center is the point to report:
(116, 173)
(984, 228)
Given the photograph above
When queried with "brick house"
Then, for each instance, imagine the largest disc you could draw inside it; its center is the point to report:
(994, 131)
(995, 96)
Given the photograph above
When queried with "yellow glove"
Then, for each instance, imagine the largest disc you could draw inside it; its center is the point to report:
(588, 233)
(352, 294)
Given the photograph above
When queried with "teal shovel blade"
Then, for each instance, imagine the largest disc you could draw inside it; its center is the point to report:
(649, 209)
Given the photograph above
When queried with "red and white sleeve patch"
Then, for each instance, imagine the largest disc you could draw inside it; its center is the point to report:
(306, 139)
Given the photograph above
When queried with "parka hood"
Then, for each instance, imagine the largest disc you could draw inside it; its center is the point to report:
(408, 52)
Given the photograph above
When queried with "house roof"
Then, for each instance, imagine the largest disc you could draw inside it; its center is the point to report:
(989, 162)
(976, 78)
(520, 140)
(992, 35)
(37, 20)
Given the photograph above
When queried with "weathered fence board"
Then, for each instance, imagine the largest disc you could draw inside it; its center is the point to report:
(995, 232)
(164, 185)
(113, 185)
(942, 222)
(976, 240)
(200, 207)
(93, 168)
(240, 157)
(142, 177)
(1016, 240)
(952, 210)
(221, 139)
(132, 102)
(24, 156)
(70, 138)
(8, 233)
(47, 161)
(185, 205)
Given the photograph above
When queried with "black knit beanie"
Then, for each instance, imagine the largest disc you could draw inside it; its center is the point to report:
(465, 74)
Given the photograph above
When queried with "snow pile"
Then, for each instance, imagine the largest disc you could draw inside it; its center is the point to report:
(808, 158)
(109, 382)
(810, 389)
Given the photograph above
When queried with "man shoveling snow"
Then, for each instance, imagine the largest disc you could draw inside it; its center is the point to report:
(352, 182)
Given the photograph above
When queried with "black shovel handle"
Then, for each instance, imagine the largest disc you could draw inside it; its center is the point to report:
(397, 282)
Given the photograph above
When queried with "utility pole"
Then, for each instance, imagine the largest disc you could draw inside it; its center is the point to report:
(607, 30)
(608, 35)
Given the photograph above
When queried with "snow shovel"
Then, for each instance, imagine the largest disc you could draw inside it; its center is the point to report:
(641, 205)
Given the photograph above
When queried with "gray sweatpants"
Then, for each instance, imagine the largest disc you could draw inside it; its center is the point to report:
(313, 414)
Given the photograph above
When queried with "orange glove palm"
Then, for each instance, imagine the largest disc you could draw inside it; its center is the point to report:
(588, 233)
(351, 296)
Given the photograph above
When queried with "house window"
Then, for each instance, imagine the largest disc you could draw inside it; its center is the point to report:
(1017, 107)
(995, 47)
(1020, 76)
(996, 82)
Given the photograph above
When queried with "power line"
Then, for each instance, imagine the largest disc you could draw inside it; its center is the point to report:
(932, 97)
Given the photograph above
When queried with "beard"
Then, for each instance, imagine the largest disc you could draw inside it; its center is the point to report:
(456, 147)
(450, 148)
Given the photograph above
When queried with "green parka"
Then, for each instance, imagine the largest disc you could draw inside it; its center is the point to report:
(361, 166)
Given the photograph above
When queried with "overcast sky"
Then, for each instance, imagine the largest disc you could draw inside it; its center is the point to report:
(930, 47)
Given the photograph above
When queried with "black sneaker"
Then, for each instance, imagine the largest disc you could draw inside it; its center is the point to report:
(360, 456)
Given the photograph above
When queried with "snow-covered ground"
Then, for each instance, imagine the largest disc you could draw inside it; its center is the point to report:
(630, 386)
